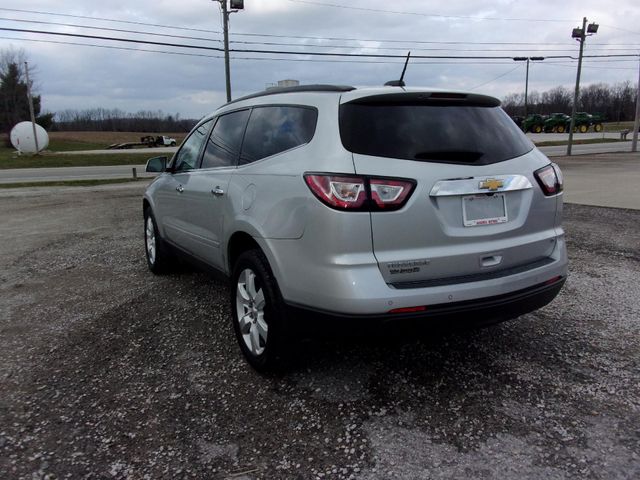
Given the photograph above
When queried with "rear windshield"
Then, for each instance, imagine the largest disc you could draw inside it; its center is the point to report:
(466, 134)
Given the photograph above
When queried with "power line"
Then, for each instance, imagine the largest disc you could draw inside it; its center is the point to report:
(413, 48)
(241, 42)
(309, 53)
(309, 60)
(100, 37)
(244, 42)
(271, 35)
(102, 19)
(60, 24)
(398, 12)
(264, 51)
(317, 60)
(498, 77)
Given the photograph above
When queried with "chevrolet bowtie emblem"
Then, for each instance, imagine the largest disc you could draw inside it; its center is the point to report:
(492, 184)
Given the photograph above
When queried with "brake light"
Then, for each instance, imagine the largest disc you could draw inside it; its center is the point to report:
(550, 179)
(360, 193)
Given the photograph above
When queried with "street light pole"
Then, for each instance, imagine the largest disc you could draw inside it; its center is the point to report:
(636, 123)
(526, 90)
(580, 34)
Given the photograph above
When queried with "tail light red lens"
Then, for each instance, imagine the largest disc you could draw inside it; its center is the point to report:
(344, 193)
(360, 193)
(550, 179)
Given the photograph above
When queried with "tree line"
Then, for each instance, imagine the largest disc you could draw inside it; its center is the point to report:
(617, 103)
(14, 103)
(115, 120)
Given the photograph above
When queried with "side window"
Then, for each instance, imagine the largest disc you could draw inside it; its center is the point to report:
(223, 146)
(275, 129)
(187, 156)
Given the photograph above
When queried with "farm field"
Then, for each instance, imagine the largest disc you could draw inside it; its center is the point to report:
(61, 142)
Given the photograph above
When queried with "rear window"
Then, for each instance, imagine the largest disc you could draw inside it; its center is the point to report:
(466, 134)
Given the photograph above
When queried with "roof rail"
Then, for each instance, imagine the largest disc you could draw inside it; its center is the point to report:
(298, 88)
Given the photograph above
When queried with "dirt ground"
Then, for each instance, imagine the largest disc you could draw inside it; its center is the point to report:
(109, 372)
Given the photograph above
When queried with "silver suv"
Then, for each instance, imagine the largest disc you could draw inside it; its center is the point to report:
(374, 203)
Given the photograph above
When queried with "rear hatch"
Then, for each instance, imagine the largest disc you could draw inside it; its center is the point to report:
(477, 211)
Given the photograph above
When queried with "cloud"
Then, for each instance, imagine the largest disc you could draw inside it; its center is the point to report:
(71, 76)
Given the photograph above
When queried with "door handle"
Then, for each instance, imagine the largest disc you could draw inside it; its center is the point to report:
(180, 189)
(218, 192)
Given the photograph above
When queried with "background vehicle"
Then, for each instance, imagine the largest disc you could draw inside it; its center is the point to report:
(557, 123)
(332, 201)
(585, 120)
(533, 123)
(158, 141)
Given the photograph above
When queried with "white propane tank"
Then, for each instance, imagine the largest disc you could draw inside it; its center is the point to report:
(22, 138)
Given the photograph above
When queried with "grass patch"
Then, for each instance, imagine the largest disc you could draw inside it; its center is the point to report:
(582, 141)
(70, 183)
(62, 145)
(617, 126)
(9, 160)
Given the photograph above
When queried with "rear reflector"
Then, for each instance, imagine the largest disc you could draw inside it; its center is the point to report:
(408, 309)
(553, 280)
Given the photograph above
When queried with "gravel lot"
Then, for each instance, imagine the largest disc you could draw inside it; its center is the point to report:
(107, 371)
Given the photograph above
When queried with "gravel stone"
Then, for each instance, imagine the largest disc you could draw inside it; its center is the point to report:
(107, 371)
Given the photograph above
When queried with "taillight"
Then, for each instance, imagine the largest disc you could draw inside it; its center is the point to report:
(344, 193)
(360, 193)
(389, 194)
(550, 179)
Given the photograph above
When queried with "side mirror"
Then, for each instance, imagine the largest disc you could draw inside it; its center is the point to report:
(156, 164)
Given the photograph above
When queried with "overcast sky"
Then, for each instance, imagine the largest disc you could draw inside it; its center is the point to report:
(78, 77)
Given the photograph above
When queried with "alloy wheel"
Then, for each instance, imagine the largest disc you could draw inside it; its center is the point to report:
(250, 303)
(150, 236)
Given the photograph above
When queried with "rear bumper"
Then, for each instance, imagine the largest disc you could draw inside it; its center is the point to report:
(482, 311)
(353, 286)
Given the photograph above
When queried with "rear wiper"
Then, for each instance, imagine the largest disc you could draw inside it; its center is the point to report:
(466, 156)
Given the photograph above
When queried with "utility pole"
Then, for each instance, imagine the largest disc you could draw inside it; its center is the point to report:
(33, 117)
(636, 123)
(580, 34)
(577, 89)
(526, 82)
(235, 6)
(225, 29)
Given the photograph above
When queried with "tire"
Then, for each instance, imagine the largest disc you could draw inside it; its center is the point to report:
(560, 129)
(159, 258)
(173, 144)
(258, 312)
(597, 127)
(583, 128)
(537, 129)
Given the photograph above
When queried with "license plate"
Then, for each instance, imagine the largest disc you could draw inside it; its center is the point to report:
(484, 209)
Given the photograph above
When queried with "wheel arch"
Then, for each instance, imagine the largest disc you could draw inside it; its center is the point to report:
(145, 204)
(239, 242)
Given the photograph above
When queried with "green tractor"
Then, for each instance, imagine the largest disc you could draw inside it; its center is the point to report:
(557, 123)
(533, 123)
(585, 120)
